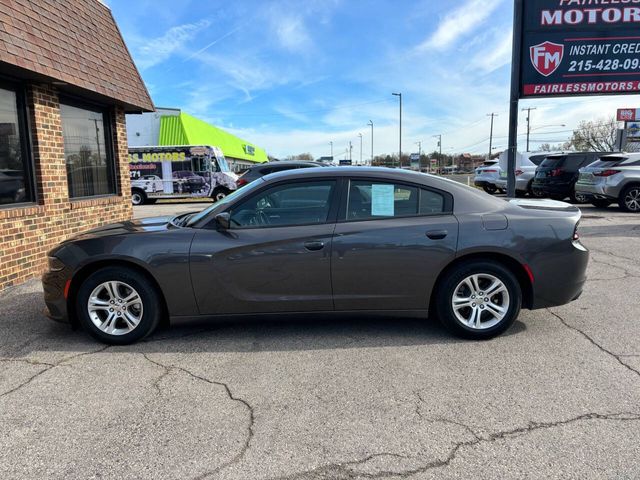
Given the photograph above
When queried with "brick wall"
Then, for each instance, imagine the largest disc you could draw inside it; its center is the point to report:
(27, 233)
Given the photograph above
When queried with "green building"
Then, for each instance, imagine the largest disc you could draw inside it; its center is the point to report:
(170, 126)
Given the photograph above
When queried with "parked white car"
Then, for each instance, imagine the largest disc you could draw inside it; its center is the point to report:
(526, 164)
(486, 176)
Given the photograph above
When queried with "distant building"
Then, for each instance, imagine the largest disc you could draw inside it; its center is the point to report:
(171, 126)
(467, 162)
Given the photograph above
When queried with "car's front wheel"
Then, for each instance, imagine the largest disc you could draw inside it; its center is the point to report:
(478, 300)
(490, 189)
(630, 199)
(118, 306)
(219, 193)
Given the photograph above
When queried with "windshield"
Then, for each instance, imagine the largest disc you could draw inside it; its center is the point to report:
(222, 163)
(220, 204)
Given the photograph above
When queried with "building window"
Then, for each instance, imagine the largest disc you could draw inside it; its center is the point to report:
(90, 165)
(15, 172)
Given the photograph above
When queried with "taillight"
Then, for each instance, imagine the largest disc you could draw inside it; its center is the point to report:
(489, 171)
(518, 172)
(605, 173)
(576, 235)
(241, 182)
(556, 172)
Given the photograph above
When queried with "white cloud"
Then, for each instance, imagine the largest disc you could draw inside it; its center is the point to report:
(159, 49)
(291, 33)
(496, 53)
(461, 21)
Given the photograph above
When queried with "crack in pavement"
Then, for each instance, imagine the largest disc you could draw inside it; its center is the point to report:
(250, 432)
(596, 344)
(418, 411)
(341, 471)
(48, 366)
(627, 272)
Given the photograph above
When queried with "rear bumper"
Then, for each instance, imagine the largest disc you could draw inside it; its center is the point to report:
(555, 189)
(597, 191)
(560, 278)
(521, 184)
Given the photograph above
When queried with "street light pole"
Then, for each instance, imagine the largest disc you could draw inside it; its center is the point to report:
(491, 134)
(528, 110)
(331, 144)
(399, 95)
(371, 123)
(360, 135)
(350, 149)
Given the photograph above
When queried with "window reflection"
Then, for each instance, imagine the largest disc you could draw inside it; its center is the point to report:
(89, 162)
(13, 168)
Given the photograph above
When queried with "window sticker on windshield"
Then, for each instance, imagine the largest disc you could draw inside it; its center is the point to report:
(382, 200)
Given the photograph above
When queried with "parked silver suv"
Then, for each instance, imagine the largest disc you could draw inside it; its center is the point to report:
(612, 178)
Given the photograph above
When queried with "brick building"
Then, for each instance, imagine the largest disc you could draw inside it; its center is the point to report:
(66, 82)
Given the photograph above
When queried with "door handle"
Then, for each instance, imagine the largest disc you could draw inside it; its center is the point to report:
(436, 234)
(314, 245)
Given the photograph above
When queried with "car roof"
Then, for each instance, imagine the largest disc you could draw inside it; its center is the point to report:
(289, 163)
(618, 156)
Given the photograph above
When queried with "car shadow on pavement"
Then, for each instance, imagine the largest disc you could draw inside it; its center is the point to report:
(26, 329)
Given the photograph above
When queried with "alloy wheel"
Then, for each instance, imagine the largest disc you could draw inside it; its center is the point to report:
(115, 307)
(632, 200)
(480, 301)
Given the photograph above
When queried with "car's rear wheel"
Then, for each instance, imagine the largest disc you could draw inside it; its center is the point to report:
(630, 199)
(601, 202)
(578, 197)
(490, 189)
(117, 305)
(478, 300)
(138, 197)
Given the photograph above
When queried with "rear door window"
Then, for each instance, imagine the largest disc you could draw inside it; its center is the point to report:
(378, 199)
(553, 162)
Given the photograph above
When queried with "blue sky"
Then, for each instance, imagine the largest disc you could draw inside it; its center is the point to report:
(293, 76)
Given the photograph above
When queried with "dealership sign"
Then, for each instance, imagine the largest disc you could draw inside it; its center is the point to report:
(628, 114)
(579, 47)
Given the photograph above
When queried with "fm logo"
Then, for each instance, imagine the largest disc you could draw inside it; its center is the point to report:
(546, 57)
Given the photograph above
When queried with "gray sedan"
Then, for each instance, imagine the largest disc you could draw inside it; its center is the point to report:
(325, 240)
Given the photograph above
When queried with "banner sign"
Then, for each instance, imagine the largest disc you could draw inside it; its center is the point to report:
(628, 114)
(580, 47)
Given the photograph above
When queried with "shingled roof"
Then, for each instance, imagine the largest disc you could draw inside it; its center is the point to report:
(72, 41)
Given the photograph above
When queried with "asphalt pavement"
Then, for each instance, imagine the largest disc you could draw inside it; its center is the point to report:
(557, 396)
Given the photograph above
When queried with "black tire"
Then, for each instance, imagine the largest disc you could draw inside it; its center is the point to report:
(446, 289)
(520, 194)
(490, 189)
(219, 193)
(629, 200)
(601, 202)
(150, 299)
(138, 197)
(577, 198)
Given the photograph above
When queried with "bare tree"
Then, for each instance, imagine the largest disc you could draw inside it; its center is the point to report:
(595, 136)
(301, 156)
(560, 147)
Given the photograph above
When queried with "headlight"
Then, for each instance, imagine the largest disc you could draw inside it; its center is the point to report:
(55, 264)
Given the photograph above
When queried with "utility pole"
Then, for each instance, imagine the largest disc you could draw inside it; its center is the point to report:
(439, 137)
(399, 95)
(331, 144)
(350, 149)
(360, 135)
(371, 124)
(491, 134)
(528, 110)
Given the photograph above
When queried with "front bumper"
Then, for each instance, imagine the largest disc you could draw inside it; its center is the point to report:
(53, 284)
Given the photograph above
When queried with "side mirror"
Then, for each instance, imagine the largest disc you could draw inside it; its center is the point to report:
(223, 220)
